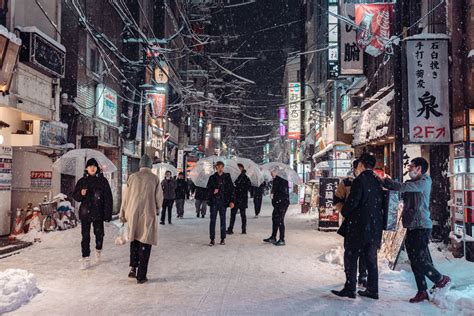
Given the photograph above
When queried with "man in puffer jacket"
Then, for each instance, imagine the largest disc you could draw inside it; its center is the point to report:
(94, 193)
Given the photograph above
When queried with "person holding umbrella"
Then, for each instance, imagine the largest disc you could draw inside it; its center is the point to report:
(257, 198)
(280, 201)
(94, 193)
(242, 186)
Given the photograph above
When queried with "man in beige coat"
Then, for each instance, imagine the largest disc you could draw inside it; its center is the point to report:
(141, 203)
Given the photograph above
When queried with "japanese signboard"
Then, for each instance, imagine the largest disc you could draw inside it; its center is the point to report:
(333, 51)
(294, 110)
(282, 118)
(52, 134)
(158, 104)
(194, 126)
(428, 89)
(351, 56)
(180, 162)
(374, 26)
(161, 73)
(106, 99)
(41, 179)
(328, 215)
(6, 168)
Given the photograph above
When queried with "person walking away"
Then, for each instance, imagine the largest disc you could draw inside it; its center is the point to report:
(363, 230)
(221, 195)
(280, 200)
(94, 193)
(200, 201)
(416, 219)
(141, 203)
(341, 195)
(169, 195)
(242, 187)
(257, 198)
(182, 193)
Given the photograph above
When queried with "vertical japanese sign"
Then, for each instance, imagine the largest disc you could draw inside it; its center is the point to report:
(194, 126)
(428, 89)
(158, 104)
(6, 162)
(374, 22)
(328, 215)
(282, 118)
(351, 56)
(333, 52)
(180, 162)
(294, 110)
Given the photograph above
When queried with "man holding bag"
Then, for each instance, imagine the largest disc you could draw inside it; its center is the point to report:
(141, 203)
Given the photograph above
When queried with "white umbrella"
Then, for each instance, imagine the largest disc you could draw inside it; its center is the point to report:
(204, 168)
(69, 162)
(253, 170)
(160, 169)
(283, 171)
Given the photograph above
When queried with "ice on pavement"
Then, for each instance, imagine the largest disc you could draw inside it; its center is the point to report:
(245, 277)
(17, 287)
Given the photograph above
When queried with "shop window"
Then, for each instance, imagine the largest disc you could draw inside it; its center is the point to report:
(95, 64)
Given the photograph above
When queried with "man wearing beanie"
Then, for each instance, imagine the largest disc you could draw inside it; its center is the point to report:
(141, 202)
(93, 191)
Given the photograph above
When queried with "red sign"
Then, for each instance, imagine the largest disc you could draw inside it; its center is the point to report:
(374, 21)
(41, 175)
(158, 104)
(41, 179)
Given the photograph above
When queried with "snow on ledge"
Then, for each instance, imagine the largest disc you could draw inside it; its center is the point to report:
(471, 53)
(428, 36)
(17, 287)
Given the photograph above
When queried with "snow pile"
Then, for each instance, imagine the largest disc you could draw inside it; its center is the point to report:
(455, 299)
(333, 256)
(17, 287)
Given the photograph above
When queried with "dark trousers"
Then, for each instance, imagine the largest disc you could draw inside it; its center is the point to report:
(233, 215)
(278, 221)
(167, 206)
(221, 210)
(201, 207)
(416, 244)
(86, 236)
(257, 202)
(180, 207)
(362, 268)
(139, 257)
(351, 255)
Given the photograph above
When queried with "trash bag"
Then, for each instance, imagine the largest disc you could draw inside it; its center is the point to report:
(122, 236)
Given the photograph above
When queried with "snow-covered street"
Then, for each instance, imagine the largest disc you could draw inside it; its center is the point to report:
(246, 276)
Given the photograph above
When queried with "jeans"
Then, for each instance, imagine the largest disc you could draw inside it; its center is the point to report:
(221, 210)
(86, 237)
(180, 207)
(278, 221)
(257, 202)
(167, 205)
(233, 215)
(139, 257)
(201, 207)
(416, 244)
(351, 255)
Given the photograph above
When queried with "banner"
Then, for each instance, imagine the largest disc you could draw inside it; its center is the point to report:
(428, 89)
(158, 104)
(351, 56)
(328, 215)
(294, 110)
(375, 25)
(106, 103)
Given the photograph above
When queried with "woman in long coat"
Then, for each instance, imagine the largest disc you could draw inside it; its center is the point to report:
(142, 201)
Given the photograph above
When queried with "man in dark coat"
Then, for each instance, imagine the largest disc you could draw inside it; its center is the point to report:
(257, 198)
(242, 186)
(221, 194)
(280, 201)
(363, 230)
(182, 193)
(169, 195)
(93, 191)
(200, 197)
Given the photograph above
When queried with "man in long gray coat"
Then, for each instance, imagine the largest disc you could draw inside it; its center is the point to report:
(142, 201)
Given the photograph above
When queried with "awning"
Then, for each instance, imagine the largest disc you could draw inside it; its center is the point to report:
(358, 84)
(327, 149)
(373, 123)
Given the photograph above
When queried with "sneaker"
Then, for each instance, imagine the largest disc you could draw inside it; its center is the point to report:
(445, 281)
(420, 297)
(362, 282)
(229, 232)
(222, 242)
(85, 263)
(212, 243)
(344, 293)
(280, 243)
(133, 273)
(141, 281)
(270, 239)
(162, 223)
(98, 255)
(369, 294)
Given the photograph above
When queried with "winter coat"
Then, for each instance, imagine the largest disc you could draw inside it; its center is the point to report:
(258, 191)
(226, 194)
(182, 191)
(169, 189)
(363, 212)
(281, 193)
(242, 187)
(342, 193)
(141, 202)
(201, 194)
(416, 201)
(97, 204)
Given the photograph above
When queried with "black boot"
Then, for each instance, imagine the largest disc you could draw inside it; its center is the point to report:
(270, 239)
(212, 243)
(222, 242)
(369, 294)
(133, 273)
(141, 281)
(344, 293)
(229, 232)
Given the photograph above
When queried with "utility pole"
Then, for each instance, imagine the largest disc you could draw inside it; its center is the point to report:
(143, 118)
(398, 87)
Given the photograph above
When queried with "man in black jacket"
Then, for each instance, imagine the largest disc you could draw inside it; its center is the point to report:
(169, 195)
(257, 198)
(182, 193)
(280, 201)
(363, 233)
(200, 197)
(221, 195)
(93, 191)
(242, 186)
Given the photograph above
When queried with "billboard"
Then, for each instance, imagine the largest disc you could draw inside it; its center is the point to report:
(351, 56)
(374, 26)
